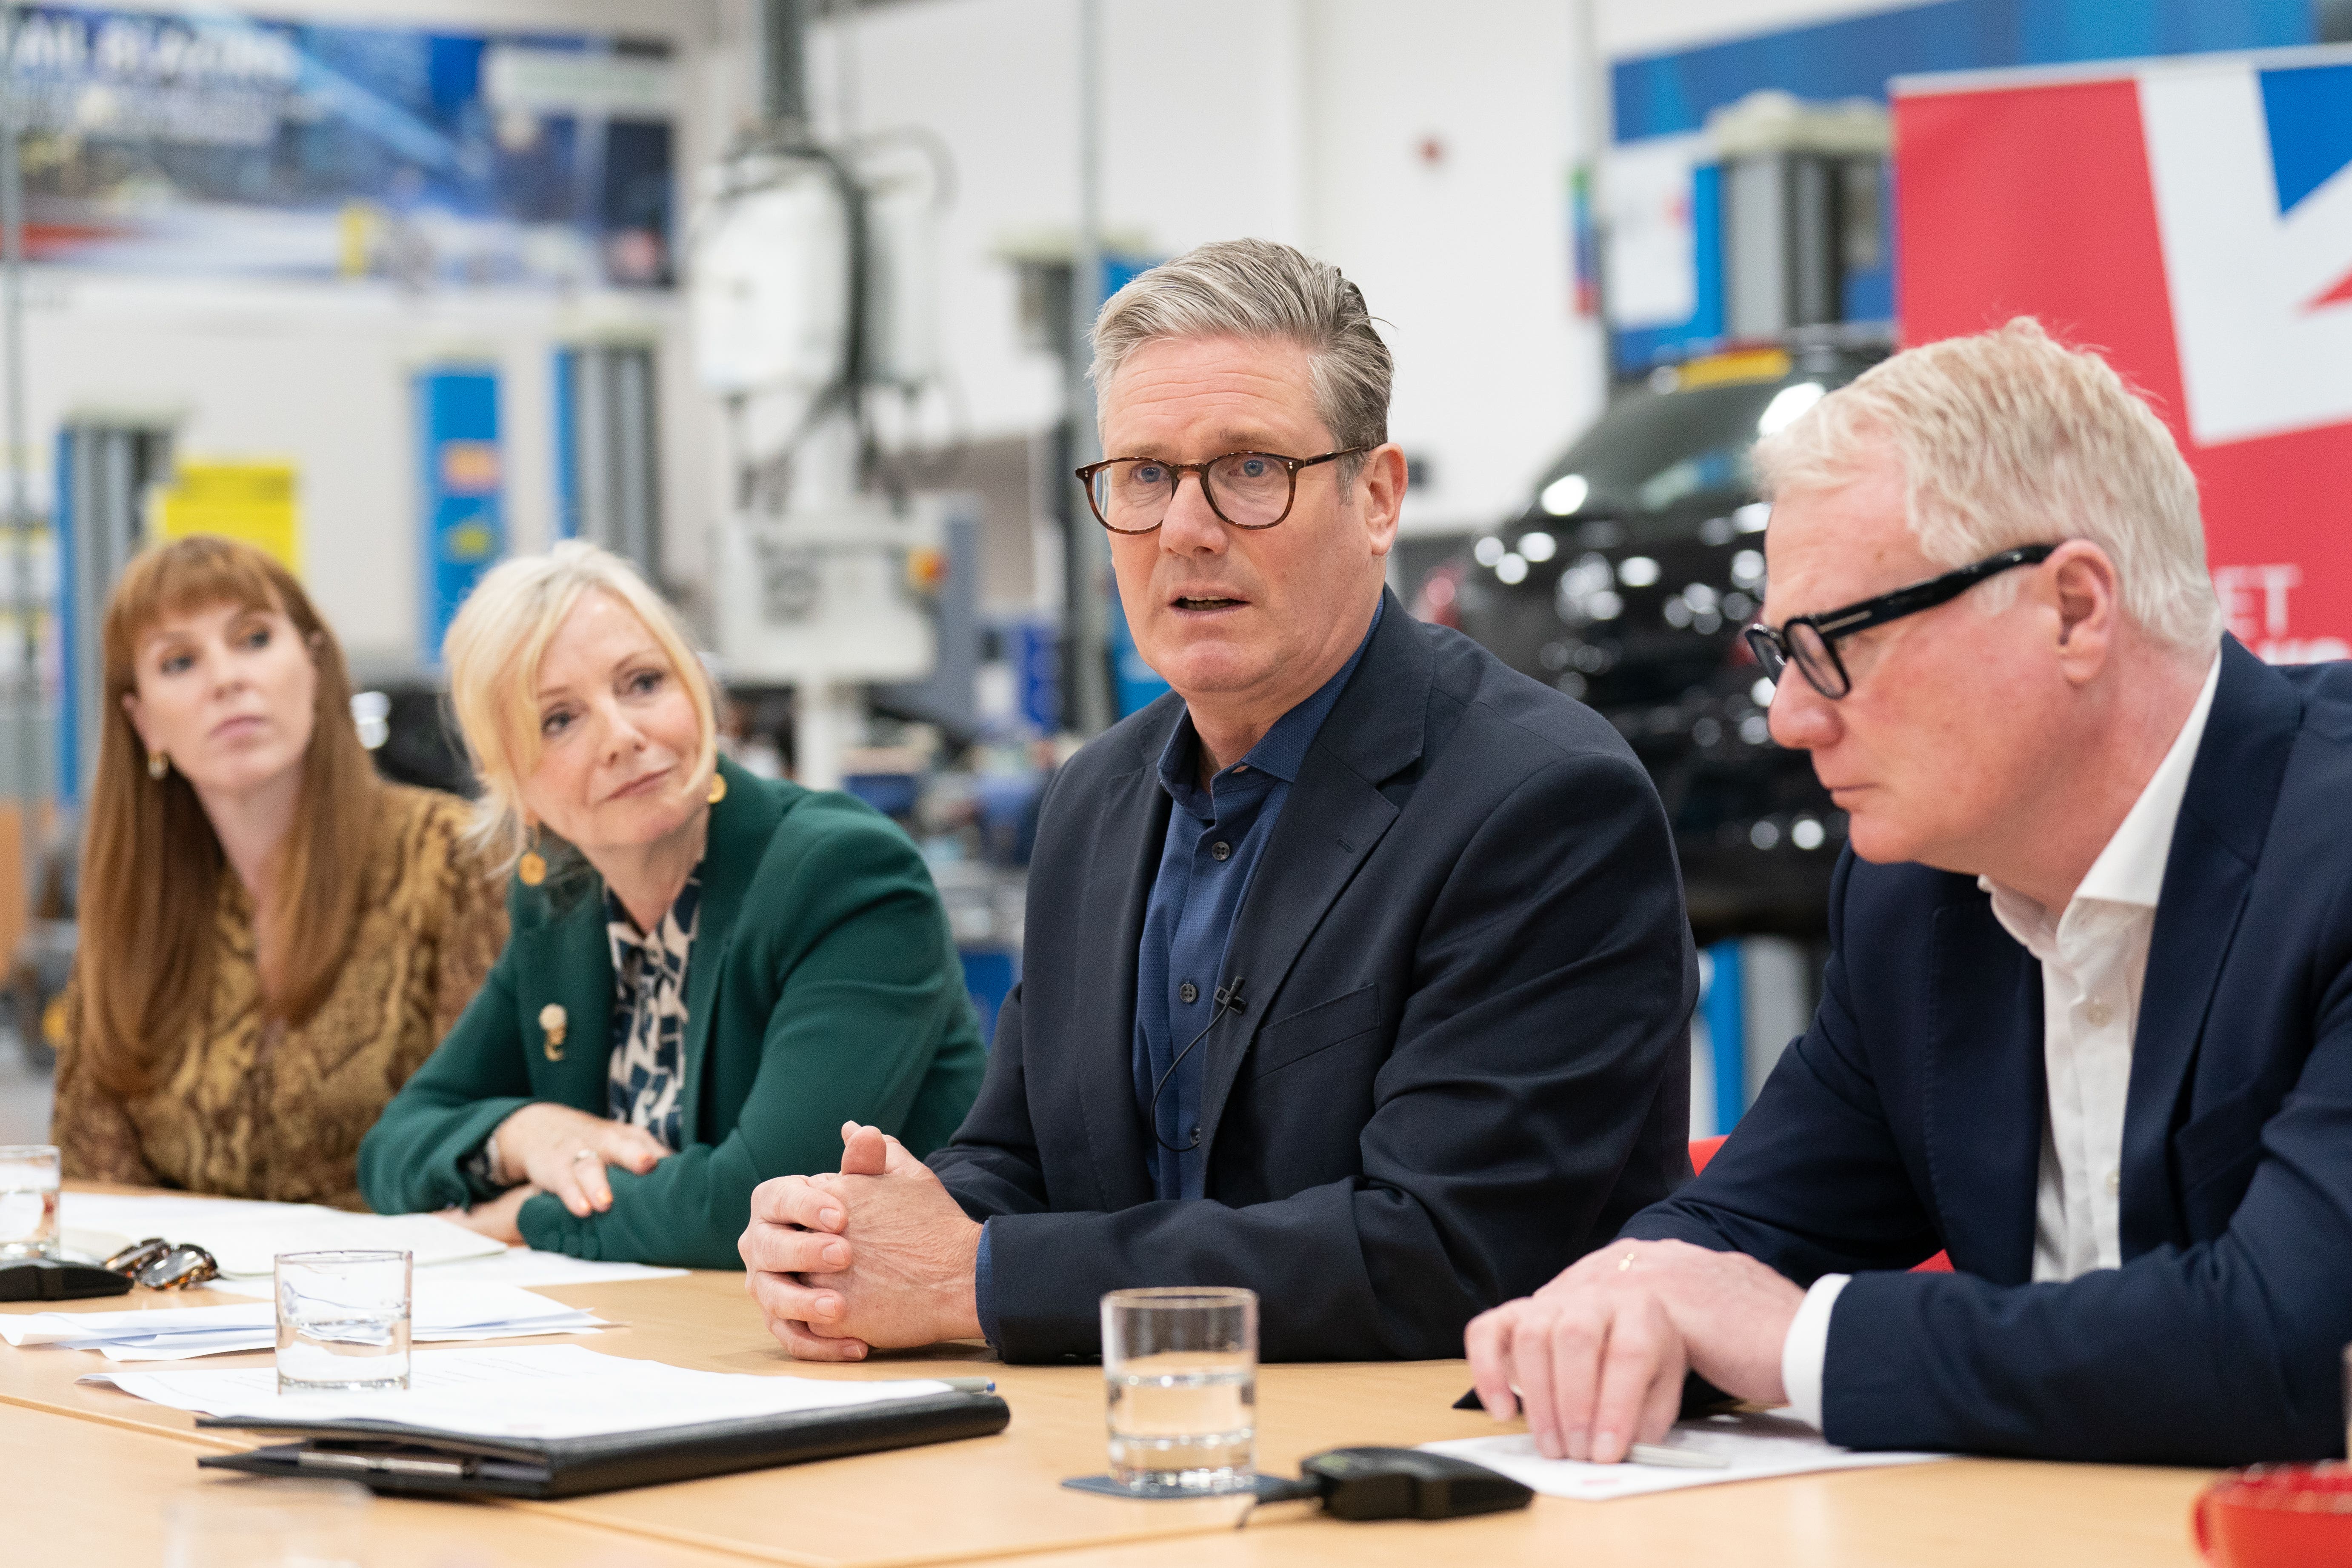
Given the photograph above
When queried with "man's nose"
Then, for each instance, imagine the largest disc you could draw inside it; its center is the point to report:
(1802, 719)
(1191, 526)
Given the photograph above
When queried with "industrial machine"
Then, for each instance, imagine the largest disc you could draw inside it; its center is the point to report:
(812, 301)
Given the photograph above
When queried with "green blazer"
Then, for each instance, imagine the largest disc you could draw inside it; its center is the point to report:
(824, 988)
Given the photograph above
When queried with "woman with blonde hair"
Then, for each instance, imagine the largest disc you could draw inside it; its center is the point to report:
(272, 939)
(710, 974)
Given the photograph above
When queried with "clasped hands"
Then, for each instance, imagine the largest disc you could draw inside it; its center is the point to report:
(1596, 1358)
(877, 1257)
(550, 1148)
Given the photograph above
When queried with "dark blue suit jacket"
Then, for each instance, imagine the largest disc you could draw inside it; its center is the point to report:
(1909, 1118)
(1465, 1057)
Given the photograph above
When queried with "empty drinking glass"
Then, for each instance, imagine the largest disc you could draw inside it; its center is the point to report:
(29, 1202)
(343, 1322)
(1180, 1369)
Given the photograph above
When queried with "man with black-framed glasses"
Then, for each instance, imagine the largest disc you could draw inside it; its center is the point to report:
(2086, 1025)
(1356, 970)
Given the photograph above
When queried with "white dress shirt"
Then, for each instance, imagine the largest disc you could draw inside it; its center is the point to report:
(2094, 958)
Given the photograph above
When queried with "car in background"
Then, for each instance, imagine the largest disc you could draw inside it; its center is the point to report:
(1625, 582)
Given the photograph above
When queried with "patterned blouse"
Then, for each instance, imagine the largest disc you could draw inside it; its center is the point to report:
(649, 1013)
(249, 1107)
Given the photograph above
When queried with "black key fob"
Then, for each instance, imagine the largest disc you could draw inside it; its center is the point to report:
(1407, 1483)
(44, 1279)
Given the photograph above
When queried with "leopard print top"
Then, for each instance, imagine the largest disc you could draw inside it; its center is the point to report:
(253, 1108)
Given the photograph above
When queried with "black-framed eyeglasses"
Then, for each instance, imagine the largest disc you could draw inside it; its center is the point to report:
(1247, 489)
(1809, 642)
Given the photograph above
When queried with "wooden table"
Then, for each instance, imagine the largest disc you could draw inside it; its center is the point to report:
(88, 1470)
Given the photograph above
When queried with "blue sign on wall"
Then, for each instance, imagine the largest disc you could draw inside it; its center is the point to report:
(460, 484)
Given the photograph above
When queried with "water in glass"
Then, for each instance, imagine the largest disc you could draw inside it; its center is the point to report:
(29, 1202)
(1184, 1421)
(343, 1322)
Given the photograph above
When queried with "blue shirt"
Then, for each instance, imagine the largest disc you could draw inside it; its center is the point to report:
(1215, 840)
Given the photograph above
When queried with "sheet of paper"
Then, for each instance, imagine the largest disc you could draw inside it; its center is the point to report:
(437, 1313)
(228, 1342)
(245, 1238)
(547, 1391)
(518, 1265)
(99, 1224)
(1757, 1446)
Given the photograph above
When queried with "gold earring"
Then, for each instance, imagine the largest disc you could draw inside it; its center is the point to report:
(158, 765)
(532, 867)
(717, 787)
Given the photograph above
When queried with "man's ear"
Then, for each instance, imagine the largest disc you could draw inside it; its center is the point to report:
(1379, 493)
(2085, 594)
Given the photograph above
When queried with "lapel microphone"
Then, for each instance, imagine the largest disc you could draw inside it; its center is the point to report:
(1229, 1000)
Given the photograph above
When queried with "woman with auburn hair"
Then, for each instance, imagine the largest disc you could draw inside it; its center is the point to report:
(272, 938)
(710, 974)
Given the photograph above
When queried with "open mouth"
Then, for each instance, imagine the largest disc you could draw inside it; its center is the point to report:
(1208, 604)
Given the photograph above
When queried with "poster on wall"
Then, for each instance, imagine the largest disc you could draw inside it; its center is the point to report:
(256, 501)
(205, 142)
(2193, 221)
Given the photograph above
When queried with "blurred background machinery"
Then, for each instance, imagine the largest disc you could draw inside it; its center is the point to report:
(785, 301)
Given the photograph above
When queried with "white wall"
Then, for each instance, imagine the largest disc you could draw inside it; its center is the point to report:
(1628, 27)
(1294, 119)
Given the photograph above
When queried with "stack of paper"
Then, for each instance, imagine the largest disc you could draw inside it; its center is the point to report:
(437, 1311)
(550, 1391)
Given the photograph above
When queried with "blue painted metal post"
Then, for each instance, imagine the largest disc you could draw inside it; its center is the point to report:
(463, 529)
(567, 444)
(1726, 1033)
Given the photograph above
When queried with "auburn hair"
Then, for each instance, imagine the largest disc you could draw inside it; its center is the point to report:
(151, 864)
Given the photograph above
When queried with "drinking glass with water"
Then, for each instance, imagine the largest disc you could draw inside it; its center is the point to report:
(343, 1322)
(1179, 1371)
(29, 1202)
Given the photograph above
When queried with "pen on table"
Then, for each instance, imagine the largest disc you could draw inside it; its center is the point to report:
(1675, 1458)
(971, 1384)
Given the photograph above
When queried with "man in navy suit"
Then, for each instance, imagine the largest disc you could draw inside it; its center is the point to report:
(2087, 1018)
(1357, 971)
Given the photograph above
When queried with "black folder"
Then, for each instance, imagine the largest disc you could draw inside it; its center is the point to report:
(410, 1461)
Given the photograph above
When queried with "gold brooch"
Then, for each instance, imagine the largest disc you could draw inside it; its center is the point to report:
(553, 1018)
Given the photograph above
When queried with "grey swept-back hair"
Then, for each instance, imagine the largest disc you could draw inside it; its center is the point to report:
(1257, 289)
(2010, 438)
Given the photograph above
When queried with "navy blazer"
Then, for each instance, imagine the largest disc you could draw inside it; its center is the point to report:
(1464, 1056)
(1910, 1118)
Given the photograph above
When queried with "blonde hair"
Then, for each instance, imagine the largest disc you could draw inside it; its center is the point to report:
(494, 649)
(2008, 438)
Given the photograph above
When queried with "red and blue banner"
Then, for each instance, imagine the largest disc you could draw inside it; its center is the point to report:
(2192, 219)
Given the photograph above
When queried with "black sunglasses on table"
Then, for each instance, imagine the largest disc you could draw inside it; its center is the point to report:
(1809, 642)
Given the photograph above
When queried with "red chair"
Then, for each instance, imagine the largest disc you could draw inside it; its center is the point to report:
(1703, 1149)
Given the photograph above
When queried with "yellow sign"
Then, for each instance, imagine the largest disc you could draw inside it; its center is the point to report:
(250, 501)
